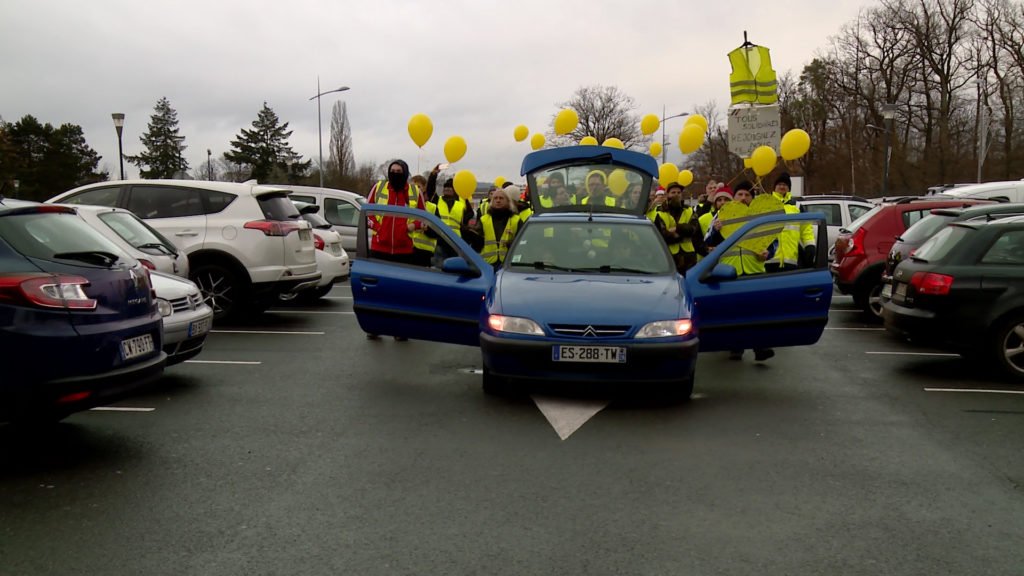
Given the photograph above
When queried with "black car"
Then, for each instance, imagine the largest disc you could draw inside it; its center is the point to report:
(964, 290)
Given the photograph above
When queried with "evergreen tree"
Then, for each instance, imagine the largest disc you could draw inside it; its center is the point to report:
(265, 150)
(163, 157)
(45, 160)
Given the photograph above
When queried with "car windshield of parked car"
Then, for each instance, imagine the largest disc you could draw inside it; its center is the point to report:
(924, 228)
(48, 235)
(606, 187)
(135, 232)
(936, 248)
(590, 247)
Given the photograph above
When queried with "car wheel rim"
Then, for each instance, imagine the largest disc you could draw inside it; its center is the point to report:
(875, 300)
(1013, 348)
(216, 289)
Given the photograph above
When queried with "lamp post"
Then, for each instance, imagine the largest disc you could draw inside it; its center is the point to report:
(663, 118)
(209, 164)
(319, 123)
(888, 113)
(119, 126)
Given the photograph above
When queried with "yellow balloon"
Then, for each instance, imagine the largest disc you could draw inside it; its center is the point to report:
(649, 124)
(566, 121)
(617, 182)
(499, 181)
(655, 149)
(588, 141)
(520, 133)
(465, 184)
(691, 138)
(699, 120)
(746, 162)
(420, 129)
(795, 144)
(614, 143)
(667, 174)
(685, 177)
(537, 141)
(763, 160)
(455, 149)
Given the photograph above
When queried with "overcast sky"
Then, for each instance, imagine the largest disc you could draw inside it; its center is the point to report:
(476, 67)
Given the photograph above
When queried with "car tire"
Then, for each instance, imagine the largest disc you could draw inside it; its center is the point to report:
(222, 290)
(495, 385)
(870, 300)
(1007, 347)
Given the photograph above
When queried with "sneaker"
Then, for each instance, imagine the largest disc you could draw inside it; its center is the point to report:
(372, 337)
(736, 355)
(400, 339)
(763, 354)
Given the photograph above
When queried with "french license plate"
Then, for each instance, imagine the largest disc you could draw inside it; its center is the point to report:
(887, 291)
(602, 354)
(305, 235)
(135, 347)
(199, 327)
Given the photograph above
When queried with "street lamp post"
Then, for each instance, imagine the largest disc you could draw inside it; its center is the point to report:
(888, 113)
(119, 126)
(319, 122)
(209, 164)
(664, 146)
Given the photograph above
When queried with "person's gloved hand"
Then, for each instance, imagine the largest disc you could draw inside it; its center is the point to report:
(809, 255)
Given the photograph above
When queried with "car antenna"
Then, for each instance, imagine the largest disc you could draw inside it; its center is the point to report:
(590, 208)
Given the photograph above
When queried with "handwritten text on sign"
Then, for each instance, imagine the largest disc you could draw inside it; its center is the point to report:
(753, 126)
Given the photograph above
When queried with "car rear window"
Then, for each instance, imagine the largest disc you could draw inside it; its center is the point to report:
(43, 235)
(1007, 249)
(135, 232)
(856, 224)
(925, 228)
(938, 246)
(217, 201)
(277, 206)
(833, 212)
(911, 217)
(317, 221)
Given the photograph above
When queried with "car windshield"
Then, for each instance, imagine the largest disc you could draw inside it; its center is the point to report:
(940, 244)
(591, 248)
(135, 232)
(925, 228)
(47, 235)
(603, 186)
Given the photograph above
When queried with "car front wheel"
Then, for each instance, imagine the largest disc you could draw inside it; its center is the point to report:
(222, 290)
(1008, 347)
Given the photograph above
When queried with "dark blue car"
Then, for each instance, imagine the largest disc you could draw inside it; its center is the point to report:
(78, 323)
(588, 290)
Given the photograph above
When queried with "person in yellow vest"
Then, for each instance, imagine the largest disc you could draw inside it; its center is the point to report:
(499, 225)
(423, 246)
(678, 226)
(657, 199)
(453, 212)
(797, 241)
(720, 198)
(547, 192)
(597, 190)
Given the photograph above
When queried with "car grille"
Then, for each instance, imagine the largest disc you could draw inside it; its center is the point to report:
(190, 302)
(589, 331)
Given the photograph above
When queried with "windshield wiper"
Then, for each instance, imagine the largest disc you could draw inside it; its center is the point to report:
(541, 265)
(608, 268)
(93, 257)
(156, 246)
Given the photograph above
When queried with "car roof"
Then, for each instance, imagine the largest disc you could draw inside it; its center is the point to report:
(961, 191)
(318, 190)
(830, 197)
(248, 188)
(980, 210)
(92, 209)
(587, 217)
(568, 154)
(9, 206)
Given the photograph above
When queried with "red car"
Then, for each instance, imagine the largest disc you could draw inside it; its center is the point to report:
(861, 249)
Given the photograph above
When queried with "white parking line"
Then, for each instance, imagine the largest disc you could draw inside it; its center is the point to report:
(266, 332)
(233, 362)
(971, 390)
(121, 409)
(306, 312)
(940, 354)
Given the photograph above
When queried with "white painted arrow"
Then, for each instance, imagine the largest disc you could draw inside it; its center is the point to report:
(567, 415)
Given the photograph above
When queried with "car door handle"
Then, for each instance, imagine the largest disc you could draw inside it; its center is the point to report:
(812, 292)
(369, 281)
(186, 233)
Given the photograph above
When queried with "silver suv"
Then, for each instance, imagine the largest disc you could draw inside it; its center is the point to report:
(245, 243)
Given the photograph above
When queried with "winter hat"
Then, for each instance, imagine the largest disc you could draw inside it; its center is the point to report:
(745, 185)
(675, 185)
(449, 183)
(783, 179)
(723, 192)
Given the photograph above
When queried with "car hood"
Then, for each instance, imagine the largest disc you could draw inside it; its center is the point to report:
(171, 287)
(589, 298)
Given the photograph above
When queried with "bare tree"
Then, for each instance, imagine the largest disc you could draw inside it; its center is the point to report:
(605, 112)
(342, 163)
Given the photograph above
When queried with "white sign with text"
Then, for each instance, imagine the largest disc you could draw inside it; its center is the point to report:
(753, 126)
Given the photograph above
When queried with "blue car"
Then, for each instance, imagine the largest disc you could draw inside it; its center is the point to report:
(588, 290)
(78, 323)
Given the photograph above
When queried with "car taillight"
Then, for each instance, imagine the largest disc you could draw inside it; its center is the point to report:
(46, 291)
(318, 242)
(855, 244)
(147, 263)
(273, 227)
(931, 283)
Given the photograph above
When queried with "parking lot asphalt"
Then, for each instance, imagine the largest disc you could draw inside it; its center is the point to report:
(295, 446)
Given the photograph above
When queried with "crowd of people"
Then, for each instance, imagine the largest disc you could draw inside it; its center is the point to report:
(691, 231)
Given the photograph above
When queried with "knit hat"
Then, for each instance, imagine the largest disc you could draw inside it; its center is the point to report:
(783, 179)
(675, 185)
(722, 193)
(449, 183)
(745, 185)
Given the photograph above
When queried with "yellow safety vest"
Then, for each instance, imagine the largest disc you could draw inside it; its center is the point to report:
(752, 80)
(494, 249)
(705, 223)
(420, 240)
(547, 201)
(525, 214)
(684, 244)
(792, 237)
(451, 218)
(608, 201)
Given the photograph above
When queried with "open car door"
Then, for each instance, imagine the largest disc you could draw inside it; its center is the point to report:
(441, 302)
(761, 310)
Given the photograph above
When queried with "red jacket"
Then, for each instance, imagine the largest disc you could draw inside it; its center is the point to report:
(390, 233)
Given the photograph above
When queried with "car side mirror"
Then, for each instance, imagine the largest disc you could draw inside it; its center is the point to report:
(458, 265)
(721, 272)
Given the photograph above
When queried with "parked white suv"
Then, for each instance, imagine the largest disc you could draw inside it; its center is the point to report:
(840, 211)
(245, 243)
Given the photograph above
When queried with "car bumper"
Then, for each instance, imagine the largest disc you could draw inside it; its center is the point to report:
(925, 327)
(645, 362)
(288, 284)
(334, 269)
(185, 333)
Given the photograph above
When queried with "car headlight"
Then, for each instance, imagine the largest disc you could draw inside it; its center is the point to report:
(164, 307)
(665, 329)
(514, 325)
